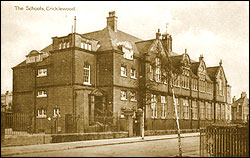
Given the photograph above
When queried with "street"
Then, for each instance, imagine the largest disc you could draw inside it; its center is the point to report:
(154, 148)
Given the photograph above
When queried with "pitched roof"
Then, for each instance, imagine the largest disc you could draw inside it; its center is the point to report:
(109, 39)
(212, 72)
(194, 67)
(176, 60)
(143, 46)
(47, 49)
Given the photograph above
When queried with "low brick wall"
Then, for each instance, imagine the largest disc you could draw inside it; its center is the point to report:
(87, 136)
(18, 140)
(165, 132)
(28, 139)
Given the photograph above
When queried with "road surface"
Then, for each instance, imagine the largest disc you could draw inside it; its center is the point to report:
(155, 148)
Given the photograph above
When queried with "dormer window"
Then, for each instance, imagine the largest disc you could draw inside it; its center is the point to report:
(60, 45)
(67, 45)
(128, 53)
(64, 45)
(33, 59)
(86, 46)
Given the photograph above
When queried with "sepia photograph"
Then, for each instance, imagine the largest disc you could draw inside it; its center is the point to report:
(124, 78)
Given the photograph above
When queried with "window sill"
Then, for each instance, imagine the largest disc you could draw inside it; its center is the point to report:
(124, 99)
(42, 76)
(124, 76)
(163, 118)
(176, 86)
(41, 96)
(87, 83)
(41, 116)
(133, 78)
(133, 100)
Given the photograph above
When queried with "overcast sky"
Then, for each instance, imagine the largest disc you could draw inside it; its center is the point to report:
(218, 30)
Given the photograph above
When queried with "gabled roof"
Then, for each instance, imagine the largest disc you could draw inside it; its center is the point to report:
(242, 101)
(109, 39)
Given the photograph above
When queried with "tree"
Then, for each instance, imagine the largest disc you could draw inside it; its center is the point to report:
(169, 72)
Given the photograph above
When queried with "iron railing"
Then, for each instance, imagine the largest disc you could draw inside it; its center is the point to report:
(224, 141)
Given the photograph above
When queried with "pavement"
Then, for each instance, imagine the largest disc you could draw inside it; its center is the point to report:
(16, 150)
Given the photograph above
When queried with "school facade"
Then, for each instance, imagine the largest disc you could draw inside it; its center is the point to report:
(80, 79)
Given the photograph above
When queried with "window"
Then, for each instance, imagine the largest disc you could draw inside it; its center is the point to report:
(41, 113)
(157, 70)
(218, 112)
(202, 110)
(177, 82)
(222, 111)
(128, 53)
(89, 47)
(124, 70)
(41, 93)
(56, 112)
(41, 72)
(33, 59)
(60, 45)
(194, 84)
(220, 87)
(86, 74)
(151, 73)
(209, 111)
(185, 79)
(123, 95)
(86, 46)
(133, 73)
(194, 110)
(163, 111)
(185, 109)
(178, 107)
(67, 45)
(82, 45)
(133, 96)
(158, 74)
(153, 106)
(64, 45)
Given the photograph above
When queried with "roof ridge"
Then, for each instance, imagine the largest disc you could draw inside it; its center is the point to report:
(129, 35)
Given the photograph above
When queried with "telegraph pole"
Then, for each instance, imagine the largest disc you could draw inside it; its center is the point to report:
(34, 130)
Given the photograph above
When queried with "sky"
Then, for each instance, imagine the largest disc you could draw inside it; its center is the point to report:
(218, 30)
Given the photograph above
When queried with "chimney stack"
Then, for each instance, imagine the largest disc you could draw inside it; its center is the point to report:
(158, 34)
(220, 62)
(234, 99)
(201, 57)
(243, 94)
(112, 21)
